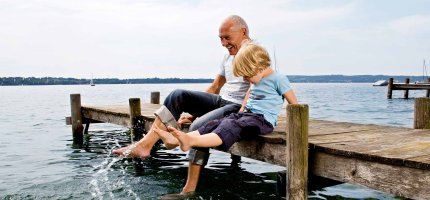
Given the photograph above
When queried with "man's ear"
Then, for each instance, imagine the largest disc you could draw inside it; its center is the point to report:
(243, 31)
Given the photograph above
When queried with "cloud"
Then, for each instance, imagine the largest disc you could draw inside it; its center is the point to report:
(170, 38)
(412, 25)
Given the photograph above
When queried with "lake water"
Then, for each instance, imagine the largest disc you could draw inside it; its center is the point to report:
(38, 161)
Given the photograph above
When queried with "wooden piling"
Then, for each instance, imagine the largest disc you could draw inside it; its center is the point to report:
(390, 88)
(422, 113)
(76, 116)
(428, 91)
(136, 119)
(155, 97)
(297, 151)
(406, 94)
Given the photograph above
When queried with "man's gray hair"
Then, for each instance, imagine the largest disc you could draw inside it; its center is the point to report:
(239, 23)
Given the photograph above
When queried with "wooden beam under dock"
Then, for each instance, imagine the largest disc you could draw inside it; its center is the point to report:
(406, 87)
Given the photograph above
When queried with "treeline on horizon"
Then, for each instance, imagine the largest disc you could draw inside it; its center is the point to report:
(9, 81)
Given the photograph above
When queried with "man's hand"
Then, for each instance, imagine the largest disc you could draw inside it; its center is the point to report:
(184, 119)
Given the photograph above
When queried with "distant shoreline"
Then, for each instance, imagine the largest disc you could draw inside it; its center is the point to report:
(10, 81)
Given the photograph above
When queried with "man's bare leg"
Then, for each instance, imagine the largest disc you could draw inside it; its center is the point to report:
(142, 148)
(194, 172)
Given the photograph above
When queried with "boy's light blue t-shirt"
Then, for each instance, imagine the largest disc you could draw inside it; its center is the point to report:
(266, 97)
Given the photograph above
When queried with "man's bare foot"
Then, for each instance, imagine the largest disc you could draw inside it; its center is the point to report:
(133, 151)
(169, 141)
(183, 138)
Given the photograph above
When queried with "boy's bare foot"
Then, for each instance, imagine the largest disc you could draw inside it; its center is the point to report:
(183, 138)
(133, 151)
(169, 141)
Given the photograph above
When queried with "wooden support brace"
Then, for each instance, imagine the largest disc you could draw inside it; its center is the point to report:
(77, 127)
(87, 126)
(390, 88)
(297, 151)
(422, 113)
(406, 94)
(155, 97)
(428, 91)
(136, 119)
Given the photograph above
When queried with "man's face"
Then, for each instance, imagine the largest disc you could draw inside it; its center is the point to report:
(231, 38)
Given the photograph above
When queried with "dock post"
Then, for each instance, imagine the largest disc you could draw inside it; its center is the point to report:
(390, 88)
(406, 94)
(297, 151)
(155, 97)
(76, 115)
(422, 113)
(136, 120)
(428, 91)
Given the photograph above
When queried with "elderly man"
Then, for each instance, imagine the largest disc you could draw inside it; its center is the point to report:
(224, 96)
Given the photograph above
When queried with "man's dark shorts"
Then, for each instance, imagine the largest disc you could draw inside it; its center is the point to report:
(237, 126)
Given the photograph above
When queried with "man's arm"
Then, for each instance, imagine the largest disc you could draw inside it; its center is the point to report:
(216, 85)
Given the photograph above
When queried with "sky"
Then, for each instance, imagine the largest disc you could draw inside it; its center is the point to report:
(172, 38)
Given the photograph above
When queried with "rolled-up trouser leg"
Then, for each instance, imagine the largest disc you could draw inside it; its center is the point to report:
(166, 117)
(199, 156)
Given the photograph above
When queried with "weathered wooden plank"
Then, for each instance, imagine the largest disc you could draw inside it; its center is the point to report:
(398, 180)
(403, 86)
(385, 146)
(260, 150)
(107, 117)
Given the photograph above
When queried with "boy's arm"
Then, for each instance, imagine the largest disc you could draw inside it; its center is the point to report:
(245, 100)
(291, 97)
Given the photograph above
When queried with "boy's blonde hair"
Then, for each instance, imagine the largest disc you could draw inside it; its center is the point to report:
(250, 59)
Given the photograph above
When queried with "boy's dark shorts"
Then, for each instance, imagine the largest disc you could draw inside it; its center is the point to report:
(237, 126)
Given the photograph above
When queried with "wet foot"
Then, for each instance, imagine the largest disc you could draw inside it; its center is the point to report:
(182, 195)
(133, 151)
(183, 139)
(169, 141)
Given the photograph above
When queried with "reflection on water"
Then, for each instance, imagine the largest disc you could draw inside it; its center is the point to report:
(39, 162)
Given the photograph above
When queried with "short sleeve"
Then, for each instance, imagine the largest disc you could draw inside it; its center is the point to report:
(222, 66)
(283, 84)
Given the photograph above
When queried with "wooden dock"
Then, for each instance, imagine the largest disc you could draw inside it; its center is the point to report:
(406, 87)
(390, 159)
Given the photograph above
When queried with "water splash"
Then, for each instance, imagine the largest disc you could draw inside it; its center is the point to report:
(129, 149)
(100, 183)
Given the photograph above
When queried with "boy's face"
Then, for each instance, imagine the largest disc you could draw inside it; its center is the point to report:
(254, 79)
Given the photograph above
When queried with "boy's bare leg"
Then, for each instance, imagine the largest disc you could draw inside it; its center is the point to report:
(142, 148)
(194, 139)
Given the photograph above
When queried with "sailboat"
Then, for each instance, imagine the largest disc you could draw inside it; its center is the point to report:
(92, 82)
(425, 76)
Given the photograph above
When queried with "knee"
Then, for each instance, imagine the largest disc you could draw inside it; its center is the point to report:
(177, 93)
(199, 157)
(197, 123)
(174, 96)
